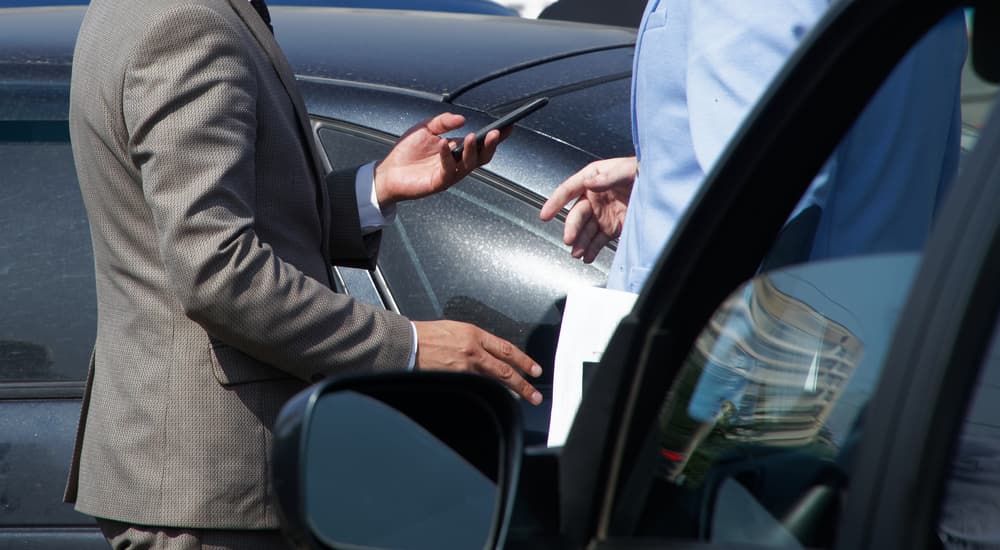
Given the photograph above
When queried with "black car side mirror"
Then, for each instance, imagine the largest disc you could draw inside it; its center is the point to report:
(407, 460)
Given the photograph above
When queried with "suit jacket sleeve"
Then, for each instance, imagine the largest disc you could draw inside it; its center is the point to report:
(190, 101)
(347, 247)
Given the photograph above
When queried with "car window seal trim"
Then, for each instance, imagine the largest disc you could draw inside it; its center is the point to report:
(437, 98)
(54, 389)
(382, 287)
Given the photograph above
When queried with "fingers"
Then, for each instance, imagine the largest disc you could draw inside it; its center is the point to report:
(474, 155)
(568, 190)
(470, 154)
(490, 144)
(584, 238)
(505, 362)
(461, 347)
(595, 246)
(577, 219)
(600, 175)
(444, 123)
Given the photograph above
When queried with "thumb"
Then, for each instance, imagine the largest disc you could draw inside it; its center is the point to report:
(444, 123)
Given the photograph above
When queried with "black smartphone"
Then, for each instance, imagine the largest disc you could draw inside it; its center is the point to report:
(503, 122)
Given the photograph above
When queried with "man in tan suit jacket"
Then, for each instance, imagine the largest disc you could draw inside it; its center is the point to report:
(213, 232)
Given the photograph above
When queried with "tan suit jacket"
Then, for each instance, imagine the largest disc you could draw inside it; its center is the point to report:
(213, 233)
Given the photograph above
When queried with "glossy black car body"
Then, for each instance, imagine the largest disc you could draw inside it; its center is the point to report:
(884, 477)
(476, 253)
(485, 7)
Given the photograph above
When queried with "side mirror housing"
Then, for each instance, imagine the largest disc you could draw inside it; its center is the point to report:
(414, 460)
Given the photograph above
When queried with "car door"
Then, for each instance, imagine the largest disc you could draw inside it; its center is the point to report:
(48, 315)
(460, 254)
(840, 374)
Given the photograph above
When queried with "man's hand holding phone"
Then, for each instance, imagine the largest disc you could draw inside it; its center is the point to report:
(423, 163)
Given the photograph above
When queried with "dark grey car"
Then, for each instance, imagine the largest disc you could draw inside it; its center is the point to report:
(858, 392)
(476, 253)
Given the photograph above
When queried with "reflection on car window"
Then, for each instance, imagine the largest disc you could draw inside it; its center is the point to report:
(773, 391)
(756, 436)
(48, 319)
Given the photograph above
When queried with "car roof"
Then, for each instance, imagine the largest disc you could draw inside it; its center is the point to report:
(447, 54)
(457, 6)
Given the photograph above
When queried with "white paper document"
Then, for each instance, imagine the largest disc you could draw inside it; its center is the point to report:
(591, 317)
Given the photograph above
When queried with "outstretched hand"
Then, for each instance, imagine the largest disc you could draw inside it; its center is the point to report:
(602, 189)
(421, 163)
(461, 347)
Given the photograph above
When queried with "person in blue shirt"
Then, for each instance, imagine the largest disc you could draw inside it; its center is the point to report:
(698, 69)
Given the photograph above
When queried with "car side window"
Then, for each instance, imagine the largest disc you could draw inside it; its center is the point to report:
(756, 436)
(476, 253)
(48, 318)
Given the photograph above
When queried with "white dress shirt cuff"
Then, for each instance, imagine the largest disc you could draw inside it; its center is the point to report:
(373, 217)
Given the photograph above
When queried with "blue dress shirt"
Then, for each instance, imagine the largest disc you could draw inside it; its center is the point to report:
(699, 67)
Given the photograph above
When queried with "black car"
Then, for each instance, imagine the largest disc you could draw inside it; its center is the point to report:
(485, 7)
(476, 253)
(864, 411)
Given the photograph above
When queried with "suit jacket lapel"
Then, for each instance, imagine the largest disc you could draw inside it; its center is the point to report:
(266, 40)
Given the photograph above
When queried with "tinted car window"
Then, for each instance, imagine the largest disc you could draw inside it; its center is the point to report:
(756, 436)
(46, 266)
(768, 405)
(476, 253)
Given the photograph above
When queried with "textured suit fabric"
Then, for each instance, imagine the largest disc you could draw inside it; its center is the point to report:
(213, 232)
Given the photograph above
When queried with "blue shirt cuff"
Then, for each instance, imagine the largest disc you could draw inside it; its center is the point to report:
(373, 217)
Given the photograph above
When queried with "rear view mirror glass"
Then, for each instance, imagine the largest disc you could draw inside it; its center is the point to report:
(387, 467)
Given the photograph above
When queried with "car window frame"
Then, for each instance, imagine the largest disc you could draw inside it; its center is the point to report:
(787, 137)
(486, 177)
(26, 131)
(376, 282)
